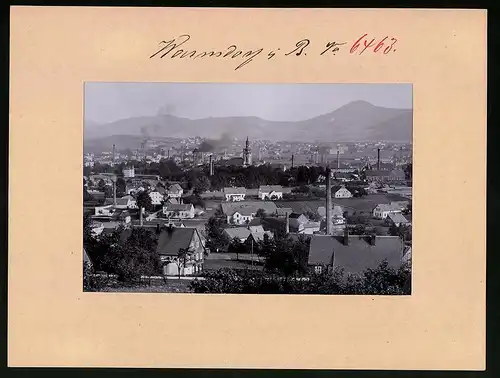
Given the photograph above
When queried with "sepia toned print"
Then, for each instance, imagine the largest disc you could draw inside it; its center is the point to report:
(248, 188)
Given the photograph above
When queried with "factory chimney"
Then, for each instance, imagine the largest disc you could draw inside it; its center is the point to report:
(287, 224)
(328, 201)
(346, 237)
(113, 179)
(211, 166)
(168, 153)
(113, 153)
(378, 159)
(338, 159)
(292, 161)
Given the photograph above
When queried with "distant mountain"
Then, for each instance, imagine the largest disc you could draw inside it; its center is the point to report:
(356, 121)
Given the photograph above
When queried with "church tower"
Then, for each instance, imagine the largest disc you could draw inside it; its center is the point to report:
(247, 155)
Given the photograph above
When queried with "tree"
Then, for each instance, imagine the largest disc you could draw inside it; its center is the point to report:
(382, 280)
(261, 213)
(129, 254)
(201, 184)
(216, 238)
(92, 281)
(101, 185)
(144, 203)
(183, 256)
(121, 187)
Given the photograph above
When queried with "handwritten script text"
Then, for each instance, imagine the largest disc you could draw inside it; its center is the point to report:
(178, 48)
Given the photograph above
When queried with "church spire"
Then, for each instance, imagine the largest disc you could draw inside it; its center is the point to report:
(247, 155)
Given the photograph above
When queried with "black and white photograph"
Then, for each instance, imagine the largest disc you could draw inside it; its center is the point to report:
(247, 188)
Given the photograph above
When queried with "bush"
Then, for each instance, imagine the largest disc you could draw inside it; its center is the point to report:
(383, 280)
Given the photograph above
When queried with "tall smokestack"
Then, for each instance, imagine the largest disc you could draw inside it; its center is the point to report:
(287, 224)
(168, 153)
(113, 153)
(338, 159)
(113, 180)
(378, 159)
(328, 201)
(211, 166)
(292, 161)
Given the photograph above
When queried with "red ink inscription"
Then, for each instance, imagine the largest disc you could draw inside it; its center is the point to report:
(385, 45)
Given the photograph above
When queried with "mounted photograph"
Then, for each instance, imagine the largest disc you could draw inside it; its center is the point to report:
(247, 188)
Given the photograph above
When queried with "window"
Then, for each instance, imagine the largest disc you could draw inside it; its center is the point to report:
(318, 269)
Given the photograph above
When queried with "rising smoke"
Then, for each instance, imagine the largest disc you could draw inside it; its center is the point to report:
(215, 145)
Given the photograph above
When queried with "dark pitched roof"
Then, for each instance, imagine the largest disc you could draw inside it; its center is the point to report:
(270, 188)
(234, 190)
(171, 240)
(178, 207)
(358, 255)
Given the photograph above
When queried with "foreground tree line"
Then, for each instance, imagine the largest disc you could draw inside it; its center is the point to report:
(382, 280)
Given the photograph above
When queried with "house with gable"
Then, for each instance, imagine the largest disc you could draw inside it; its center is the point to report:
(244, 213)
(171, 242)
(126, 202)
(270, 192)
(342, 192)
(354, 253)
(182, 211)
(398, 219)
(239, 233)
(382, 211)
(156, 197)
(234, 194)
(175, 191)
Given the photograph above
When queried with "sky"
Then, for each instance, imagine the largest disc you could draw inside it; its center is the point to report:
(109, 102)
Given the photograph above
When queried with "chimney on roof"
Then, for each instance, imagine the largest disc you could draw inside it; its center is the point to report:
(287, 224)
(338, 159)
(328, 202)
(346, 237)
(378, 159)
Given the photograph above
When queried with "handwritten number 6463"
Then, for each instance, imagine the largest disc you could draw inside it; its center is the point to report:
(364, 43)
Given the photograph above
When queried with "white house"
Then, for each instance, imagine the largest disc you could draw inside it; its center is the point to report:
(156, 198)
(309, 228)
(270, 192)
(185, 211)
(234, 194)
(175, 191)
(128, 172)
(126, 202)
(106, 210)
(343, 193)
(240, 217)
(383, 210)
